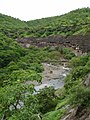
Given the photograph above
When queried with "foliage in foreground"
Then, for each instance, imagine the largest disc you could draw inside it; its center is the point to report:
(75, 93)
(20, 102)
(18, 65)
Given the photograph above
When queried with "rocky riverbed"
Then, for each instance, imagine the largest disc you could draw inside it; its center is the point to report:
(53, 75)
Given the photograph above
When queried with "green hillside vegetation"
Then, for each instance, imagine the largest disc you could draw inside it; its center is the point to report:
(11, 22)
(72, 23)
(19, 65)
(10, 26)
(75, 93)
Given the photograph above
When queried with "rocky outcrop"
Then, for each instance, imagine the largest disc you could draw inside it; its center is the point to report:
(87, 80)
(77, 42)
(77, 114)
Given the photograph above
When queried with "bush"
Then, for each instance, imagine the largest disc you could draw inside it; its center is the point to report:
(79, 61)
(81, 97)
(47, 99)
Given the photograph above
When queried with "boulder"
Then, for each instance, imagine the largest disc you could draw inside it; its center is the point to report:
(87, 80)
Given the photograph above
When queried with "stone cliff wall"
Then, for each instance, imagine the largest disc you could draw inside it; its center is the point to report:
(78, 42)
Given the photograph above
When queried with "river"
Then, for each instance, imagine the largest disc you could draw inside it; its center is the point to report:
(53, 75)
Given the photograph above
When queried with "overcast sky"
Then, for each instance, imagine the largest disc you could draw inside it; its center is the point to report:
(35, 9)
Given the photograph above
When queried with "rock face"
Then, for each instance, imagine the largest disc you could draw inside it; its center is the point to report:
(77, 114)
(77, 42)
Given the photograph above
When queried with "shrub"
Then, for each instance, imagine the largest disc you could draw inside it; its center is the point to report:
(47, 99)
(81, 97)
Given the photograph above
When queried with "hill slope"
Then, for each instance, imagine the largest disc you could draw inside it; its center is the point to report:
(18, 65)
(72, 23)
(10, 26)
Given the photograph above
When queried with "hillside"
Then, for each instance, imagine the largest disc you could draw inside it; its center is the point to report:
(52, 45)
(10, 26)
(11, 22)
(71, 29)
(72, 23)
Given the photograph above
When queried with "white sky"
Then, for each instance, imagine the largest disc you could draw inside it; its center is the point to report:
(35, 9)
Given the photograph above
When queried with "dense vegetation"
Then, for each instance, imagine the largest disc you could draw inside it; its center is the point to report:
(76, 91)
(11, 27)
(72, 23)
(18, 65)
(75, 22)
